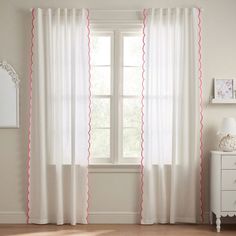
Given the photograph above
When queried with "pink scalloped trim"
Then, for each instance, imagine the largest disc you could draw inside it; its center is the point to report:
(201, 114)
(30, 116)
(89, 131)
(142, 113)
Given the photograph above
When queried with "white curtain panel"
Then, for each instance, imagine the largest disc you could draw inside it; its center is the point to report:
(171, 117)
(60, 118)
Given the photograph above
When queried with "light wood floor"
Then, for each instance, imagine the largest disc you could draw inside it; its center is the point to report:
(115, 230)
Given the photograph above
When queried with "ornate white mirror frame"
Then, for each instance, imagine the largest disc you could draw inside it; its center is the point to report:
(9, 96)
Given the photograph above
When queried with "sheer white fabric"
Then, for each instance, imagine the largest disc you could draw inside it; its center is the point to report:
(171, 117)
(60, 118)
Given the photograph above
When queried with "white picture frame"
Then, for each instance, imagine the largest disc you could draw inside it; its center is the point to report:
(9, 96)
(224, 89)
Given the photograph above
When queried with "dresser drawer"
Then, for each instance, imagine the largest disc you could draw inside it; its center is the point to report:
(228, 180)
(228, 162)
(228, 201)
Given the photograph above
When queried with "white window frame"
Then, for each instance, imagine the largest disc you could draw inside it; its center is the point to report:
(116, 97)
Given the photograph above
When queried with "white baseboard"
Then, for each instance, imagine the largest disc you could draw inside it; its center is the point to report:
(114, 217)
(123, 218)
(12, 217)
(19, 217)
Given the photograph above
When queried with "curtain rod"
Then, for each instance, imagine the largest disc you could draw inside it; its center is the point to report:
(125, 10)
(135, 10)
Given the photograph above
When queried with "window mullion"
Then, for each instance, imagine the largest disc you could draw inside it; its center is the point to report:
(119, 97)
(112, 102)
(116, 105)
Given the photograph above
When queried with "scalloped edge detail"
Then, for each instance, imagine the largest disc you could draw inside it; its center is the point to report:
(10, 70)
(230, 214)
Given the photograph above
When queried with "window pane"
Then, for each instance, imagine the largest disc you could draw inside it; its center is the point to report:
(131, 112)
(100, 80)
(131, 142)
(100, 116)
(132, 81)
(100, 143)
(132, 50)
(100, 50)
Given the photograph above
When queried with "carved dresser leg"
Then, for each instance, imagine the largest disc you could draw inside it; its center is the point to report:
(218, 223)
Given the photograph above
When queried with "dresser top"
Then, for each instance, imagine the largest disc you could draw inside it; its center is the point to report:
(225, 153)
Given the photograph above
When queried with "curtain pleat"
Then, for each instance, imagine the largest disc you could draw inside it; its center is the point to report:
(60, 118)
(171, 117)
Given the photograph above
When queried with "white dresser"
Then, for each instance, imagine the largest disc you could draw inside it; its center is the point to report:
(223, 185)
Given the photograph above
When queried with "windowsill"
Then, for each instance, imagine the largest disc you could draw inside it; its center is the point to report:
(114, 168)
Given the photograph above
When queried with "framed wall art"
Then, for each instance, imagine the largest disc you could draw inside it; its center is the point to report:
(224, 89)
(9, 96)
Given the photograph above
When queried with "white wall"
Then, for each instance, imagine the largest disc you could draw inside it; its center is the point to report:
(114, 195)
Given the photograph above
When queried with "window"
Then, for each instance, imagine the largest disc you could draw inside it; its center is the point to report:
(116, 79)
